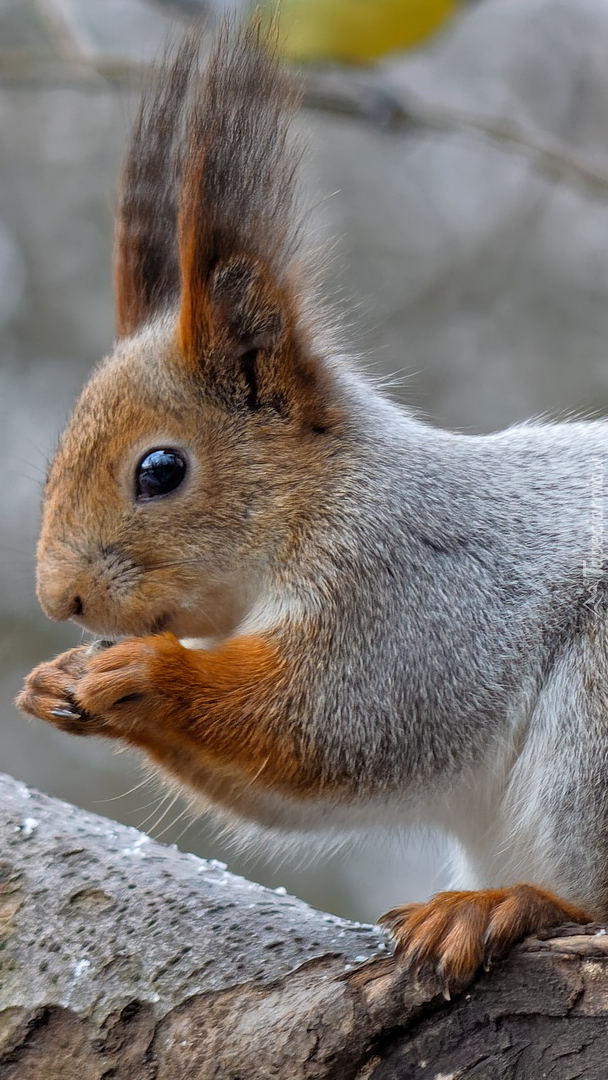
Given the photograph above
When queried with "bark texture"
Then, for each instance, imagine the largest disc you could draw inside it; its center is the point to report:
(122, 958)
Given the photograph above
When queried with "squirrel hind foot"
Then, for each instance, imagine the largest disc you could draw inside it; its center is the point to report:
(456, 933)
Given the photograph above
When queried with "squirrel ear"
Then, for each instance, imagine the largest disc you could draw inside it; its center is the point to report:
(240, 336)
(242, 322)
(247, 305)
(240, 310)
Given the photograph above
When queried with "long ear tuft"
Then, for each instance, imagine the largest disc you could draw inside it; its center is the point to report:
(237, 225)
(146, 265)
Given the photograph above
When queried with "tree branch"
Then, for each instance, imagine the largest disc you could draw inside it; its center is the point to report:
(376, 98)
(120, 957)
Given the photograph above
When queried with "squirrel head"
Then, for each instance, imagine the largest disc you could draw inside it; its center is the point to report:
(184, 473)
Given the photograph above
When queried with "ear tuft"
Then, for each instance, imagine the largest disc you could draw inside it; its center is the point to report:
(146, 267)
(210, 225)
(238, 222)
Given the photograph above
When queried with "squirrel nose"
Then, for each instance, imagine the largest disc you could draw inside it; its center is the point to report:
(63, 581)
(61, 606)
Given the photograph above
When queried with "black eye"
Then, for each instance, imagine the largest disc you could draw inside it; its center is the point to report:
(160, 472)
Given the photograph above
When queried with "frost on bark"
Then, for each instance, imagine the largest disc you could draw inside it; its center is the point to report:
(123, 958)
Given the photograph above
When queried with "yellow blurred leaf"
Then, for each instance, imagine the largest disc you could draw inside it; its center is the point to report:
(357, 30)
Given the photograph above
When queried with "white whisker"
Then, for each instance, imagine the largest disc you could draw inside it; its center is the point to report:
(173, 823)
(162, 817)
(124, 794)
(158, 805)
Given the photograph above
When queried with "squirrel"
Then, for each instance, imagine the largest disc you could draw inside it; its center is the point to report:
(325, 612)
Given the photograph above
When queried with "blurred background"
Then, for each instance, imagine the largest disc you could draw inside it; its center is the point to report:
(458, 168)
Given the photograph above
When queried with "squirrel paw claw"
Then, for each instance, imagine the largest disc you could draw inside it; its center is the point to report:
(66, 714)
(457, 933)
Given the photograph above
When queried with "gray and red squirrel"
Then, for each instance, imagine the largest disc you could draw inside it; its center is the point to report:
(328, 613)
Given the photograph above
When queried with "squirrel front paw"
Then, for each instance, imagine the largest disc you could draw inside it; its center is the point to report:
(85, 692)
(49, 693)
(455, 933)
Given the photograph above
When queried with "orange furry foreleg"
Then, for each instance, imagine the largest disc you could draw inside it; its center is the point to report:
(224, 707)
